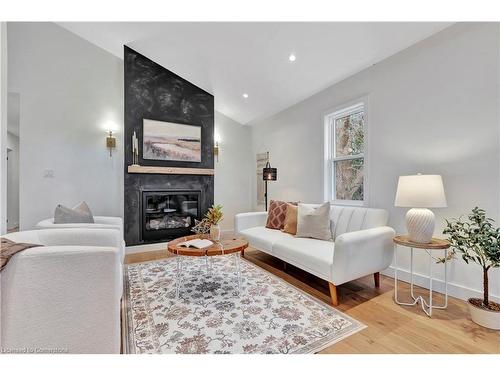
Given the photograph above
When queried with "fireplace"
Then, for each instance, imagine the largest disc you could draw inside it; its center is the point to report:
(168, 214)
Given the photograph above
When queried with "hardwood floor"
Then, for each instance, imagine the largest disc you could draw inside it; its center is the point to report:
(391, 328)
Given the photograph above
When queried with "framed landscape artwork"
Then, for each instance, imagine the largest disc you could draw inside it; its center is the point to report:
(169, 141)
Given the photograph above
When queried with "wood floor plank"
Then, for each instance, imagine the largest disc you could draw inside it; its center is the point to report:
(391, 328)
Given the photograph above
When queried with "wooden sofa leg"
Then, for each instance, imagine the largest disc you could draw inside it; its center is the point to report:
(376, 278)
(333, 294)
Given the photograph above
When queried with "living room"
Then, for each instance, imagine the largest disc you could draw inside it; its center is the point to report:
(250, 187)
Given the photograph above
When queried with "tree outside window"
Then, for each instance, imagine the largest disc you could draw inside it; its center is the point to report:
(347, 129)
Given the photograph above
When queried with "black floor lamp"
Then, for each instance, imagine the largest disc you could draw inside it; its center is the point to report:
(269, 174)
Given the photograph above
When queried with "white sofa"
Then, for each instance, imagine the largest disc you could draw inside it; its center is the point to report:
(65, 295)
(362, 245)
(100, 222)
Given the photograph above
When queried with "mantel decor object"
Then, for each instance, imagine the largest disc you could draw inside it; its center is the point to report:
(420, 192)
(135, 150)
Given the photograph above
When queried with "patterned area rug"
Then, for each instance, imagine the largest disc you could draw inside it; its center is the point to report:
(211, 315)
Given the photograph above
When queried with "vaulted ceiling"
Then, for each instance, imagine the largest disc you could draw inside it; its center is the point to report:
(232, 59)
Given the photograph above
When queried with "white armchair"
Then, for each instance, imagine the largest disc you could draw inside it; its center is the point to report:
(100, 222)
(64, 295)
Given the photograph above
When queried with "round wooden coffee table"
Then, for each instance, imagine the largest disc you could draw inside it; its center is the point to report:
(219, 248)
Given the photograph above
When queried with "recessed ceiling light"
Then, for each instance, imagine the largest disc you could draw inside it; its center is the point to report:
(292, 58)
(245, 95)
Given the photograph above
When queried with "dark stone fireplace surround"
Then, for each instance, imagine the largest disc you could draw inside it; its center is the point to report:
(153, 92)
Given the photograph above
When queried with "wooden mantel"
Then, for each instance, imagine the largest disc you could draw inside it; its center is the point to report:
(169, 170)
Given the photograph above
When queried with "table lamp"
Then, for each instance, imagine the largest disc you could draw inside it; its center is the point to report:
(268, 174)
(420, 192)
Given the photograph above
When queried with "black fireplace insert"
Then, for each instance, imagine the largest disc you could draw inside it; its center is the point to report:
(168, 214)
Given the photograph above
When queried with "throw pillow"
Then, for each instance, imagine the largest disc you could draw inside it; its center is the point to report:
(79, 214)
(290, 225)
(276, 214)
(9, 248)
(314, 222)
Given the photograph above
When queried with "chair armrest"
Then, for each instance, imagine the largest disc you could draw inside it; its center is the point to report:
(249, 220)
(91, 236)
(48, 224)
(70, 237)
(360, 253)
(110, 220)
(64, 297)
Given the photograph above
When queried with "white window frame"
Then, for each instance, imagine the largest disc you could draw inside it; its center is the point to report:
(329, 154)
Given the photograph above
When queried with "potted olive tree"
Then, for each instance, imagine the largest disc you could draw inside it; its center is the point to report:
(478, 241)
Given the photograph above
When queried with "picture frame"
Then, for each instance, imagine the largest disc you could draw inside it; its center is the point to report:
(170, 141)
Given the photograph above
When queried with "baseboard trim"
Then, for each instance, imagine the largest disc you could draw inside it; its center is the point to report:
(454, 290)
(145, 248)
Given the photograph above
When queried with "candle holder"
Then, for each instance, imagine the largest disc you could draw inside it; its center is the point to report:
(135, 150)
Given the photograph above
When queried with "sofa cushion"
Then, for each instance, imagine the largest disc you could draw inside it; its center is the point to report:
(314, 222)
(276, 214)
(263, 238)
(290, 225)
(311, 255)
(345, 219)
(79, 214)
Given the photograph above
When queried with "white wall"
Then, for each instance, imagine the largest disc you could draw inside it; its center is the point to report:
(433, 108)
(71, 92)
(233, 171)
(3, 127)
(12, 181)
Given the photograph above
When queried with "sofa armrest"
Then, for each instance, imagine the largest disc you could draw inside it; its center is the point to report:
(65, 297)
(249, 220)
(360, 253)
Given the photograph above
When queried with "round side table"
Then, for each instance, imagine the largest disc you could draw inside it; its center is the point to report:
(435, 244)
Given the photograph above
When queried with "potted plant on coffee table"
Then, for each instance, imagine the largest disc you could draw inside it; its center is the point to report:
(478, 241)
(214, 216)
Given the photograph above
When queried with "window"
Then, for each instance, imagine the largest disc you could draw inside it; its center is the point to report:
(345, 155)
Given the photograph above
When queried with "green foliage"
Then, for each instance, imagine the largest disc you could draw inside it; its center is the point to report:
(214, 215)
(477, 240)
(349, 138)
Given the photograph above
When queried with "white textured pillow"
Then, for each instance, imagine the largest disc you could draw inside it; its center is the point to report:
(79, 214)
(314, 222)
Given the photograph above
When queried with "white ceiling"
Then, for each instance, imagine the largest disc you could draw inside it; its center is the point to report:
(229, 59)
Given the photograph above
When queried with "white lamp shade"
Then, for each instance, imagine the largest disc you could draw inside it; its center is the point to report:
(420, 191)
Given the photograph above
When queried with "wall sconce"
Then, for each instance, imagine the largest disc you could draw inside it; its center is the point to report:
(110, 142)
(216, 147)
(216, 151)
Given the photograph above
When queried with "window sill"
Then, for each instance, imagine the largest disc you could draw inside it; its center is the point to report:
(349, 203)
